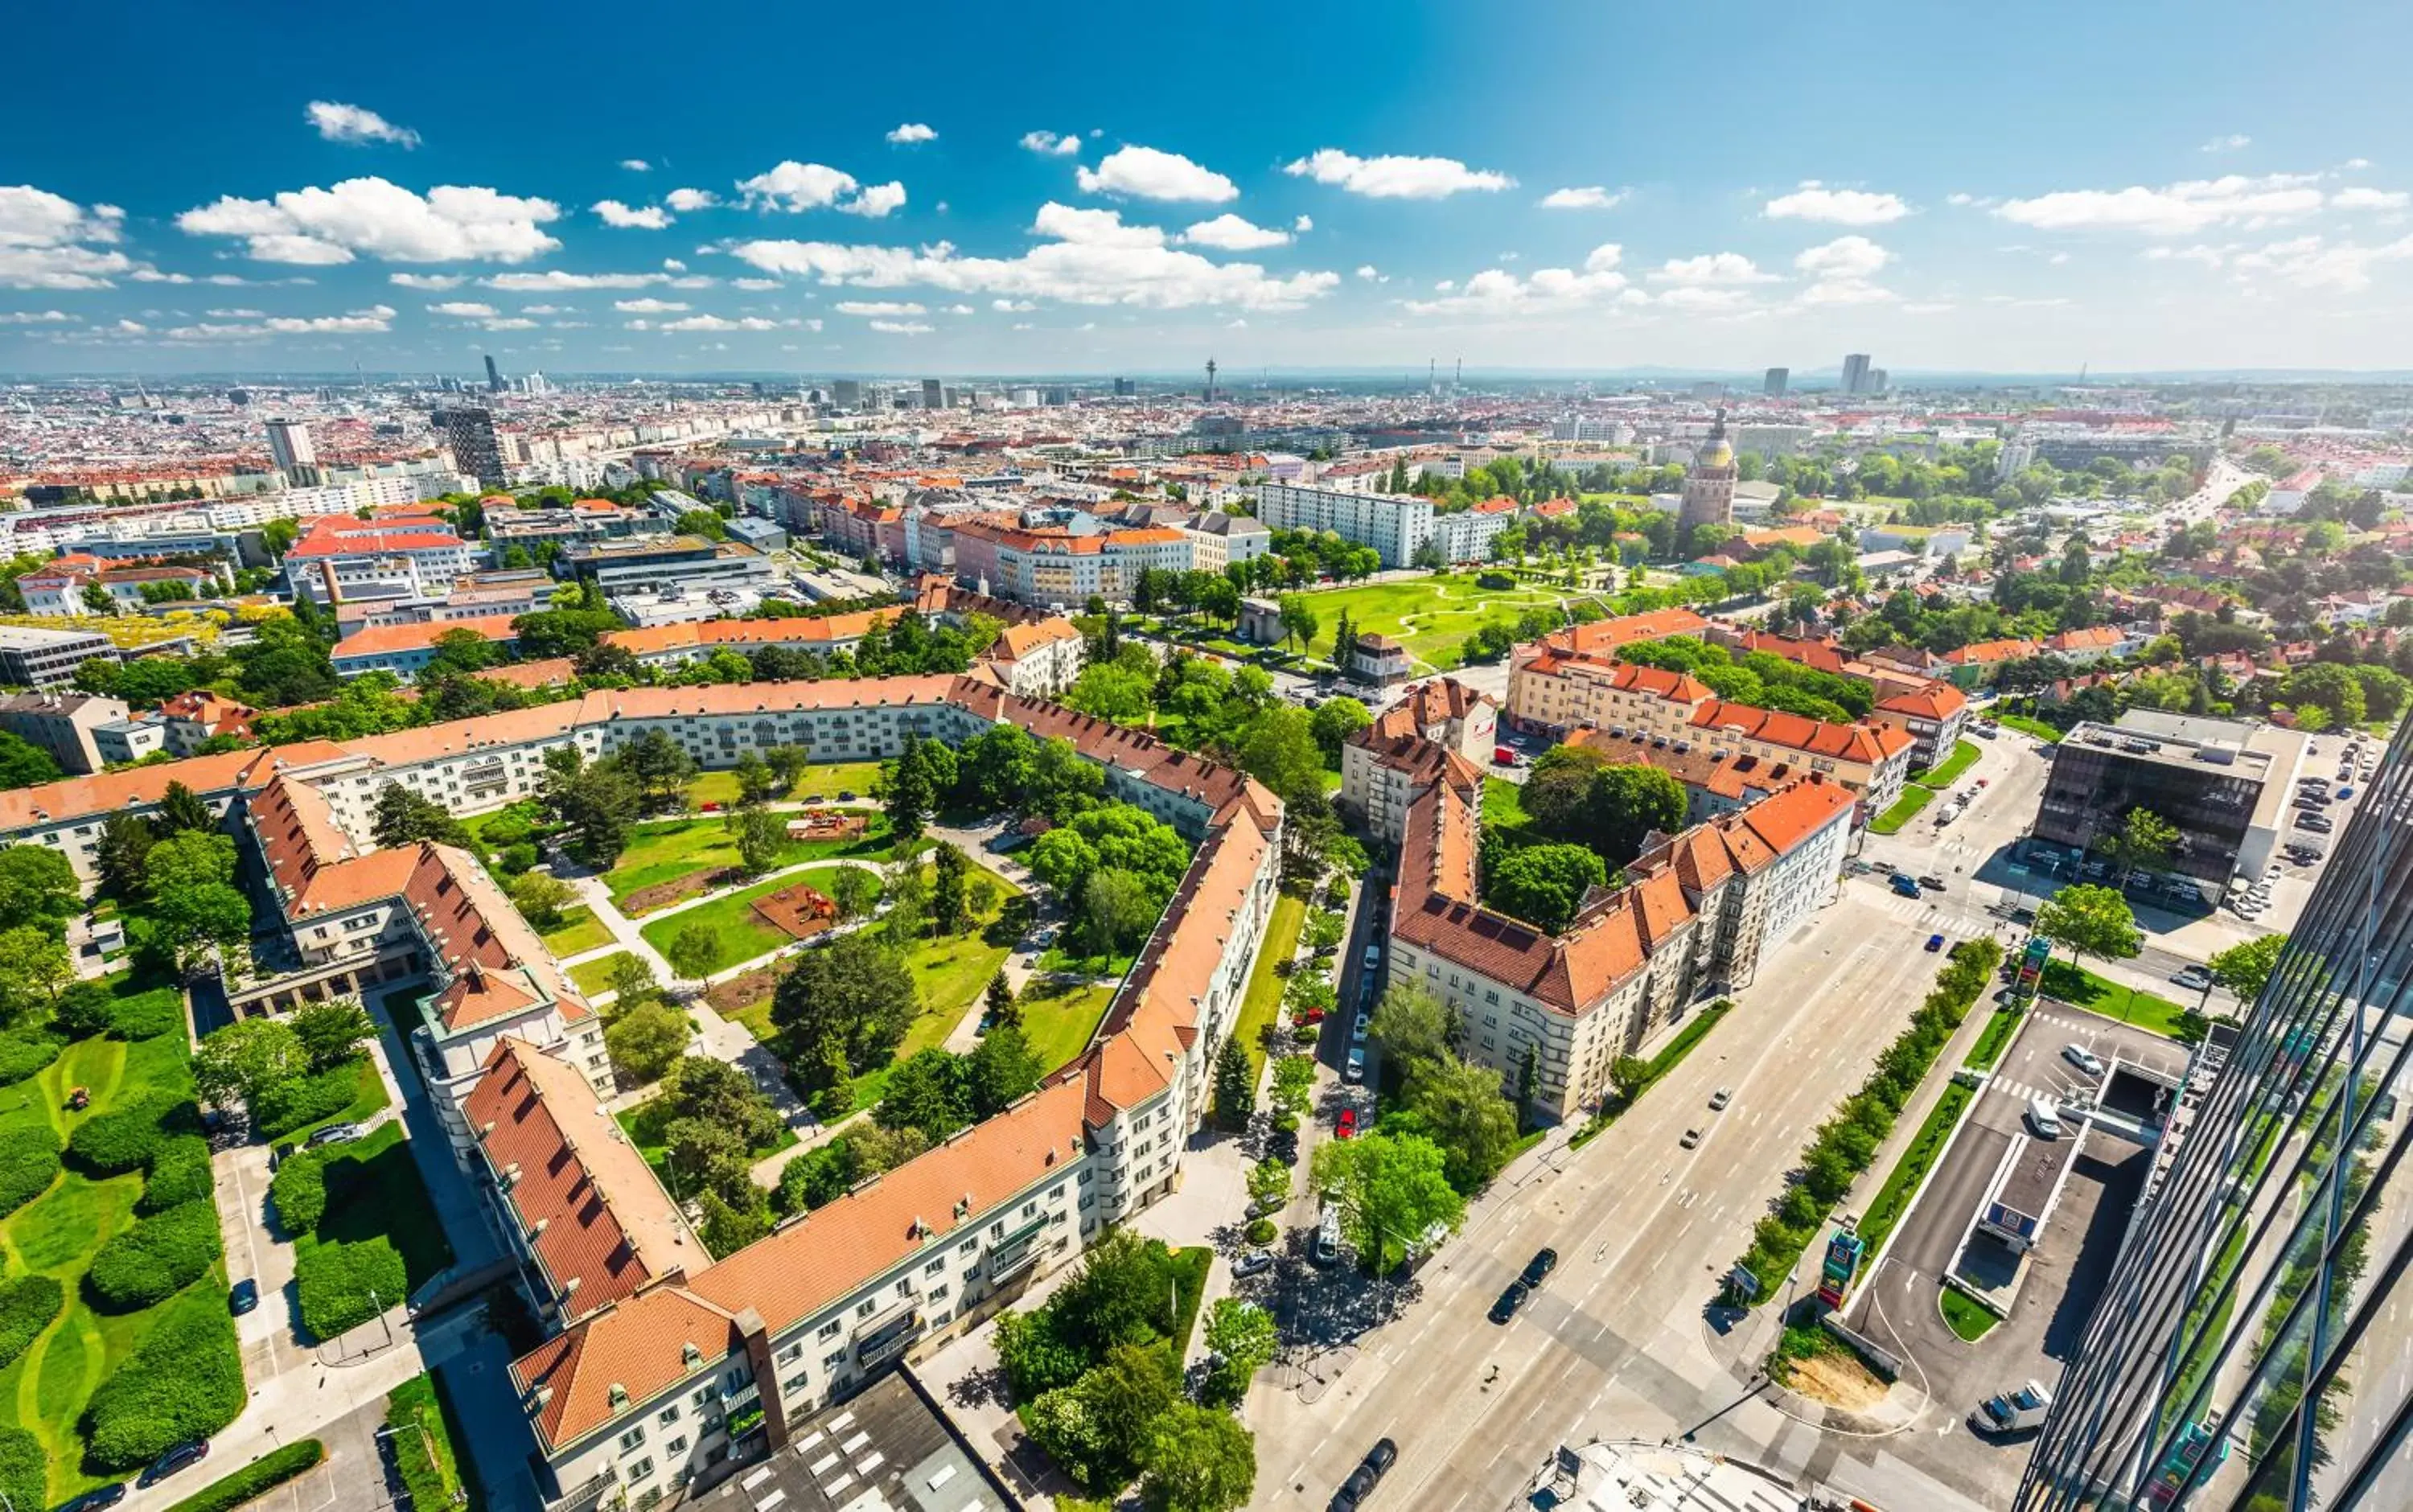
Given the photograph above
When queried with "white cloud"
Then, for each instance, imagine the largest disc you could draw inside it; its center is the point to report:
(1814, 201)
(1845, 291)
(913, 131)
(2210, 256)
(1711, 269)
(1012, 307)
(1052, 144)
(902, 328)
(552, 280)
(1590, 197)
(636, 164)
(2366, 198)
(434, 283)
(376, 320)
(1396, 177)
(673, 265)
(2227, 144)
(960, 309)
(2174, 210)
(1093, 227)
(1303, 224)
(1228, 232)
(755, 286)
(36, 317)
(796, 188)
(1847, 257)
(44, 242)
(2310, 263)
(510, 322)
(1956, 198)
(718, 322)
(1929, 307)
(372, 216)
(1150, 174)
(885, 307)
(683, 200)
(628, 218)
(876, 200)
(353, 123)
(548, 309)
(1496, 292)
(465, 309)
(649, 306)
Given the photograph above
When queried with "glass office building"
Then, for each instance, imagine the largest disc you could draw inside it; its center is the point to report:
(2253, 1347)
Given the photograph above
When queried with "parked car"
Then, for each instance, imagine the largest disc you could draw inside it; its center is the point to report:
(2082, 1058)
(1510, 1300)
(1931, 883)
(243, 1297)
(335, 1134)
(96, 1499)
(1935, 943)
(1503, 756)
(1346, 1125)
(1692, 1137)
(2044, 1116)
(2345, 794)
(1539, 1268)
(1327, 1236)
(1373, 958)
(1355, 1069)
(1254, 1262)
(1719, 1099)
(1358, 1029)
(2194, 978)
(177, 1456)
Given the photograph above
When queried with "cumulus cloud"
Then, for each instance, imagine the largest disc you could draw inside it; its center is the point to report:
(902, 328)
(2180, 209)
(464, 310)
(796, 186)
(2312, 262)
(649, 306)
(372, 218)
(1840, 272)
(636, 164)
(628, 218)
(1052, 144)
(1228, 232)
(876, 200)
(1371, 274)
(754, 285)
(46, 242)
(2368, 198)
(36, 317)
(683, 200)
(433, 283)
(1396, 177)
(1496, 292)
(1814, 201)
(510, 322)
(1711, 269)
(548, 309)
(1146, 174)
(875, 306)
(1590, 197)
(719, 323)
(2227, 144)
(358, 125)
(554, 281)
(376, 320)
(913, 131)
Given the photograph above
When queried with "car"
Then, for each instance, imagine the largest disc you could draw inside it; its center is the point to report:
(1719, 1099)
(243, 1297)
(2082, 1058)
(1904, 885)
(1931, 883)
(1935, 943)
(1981, 782)
(176, 1456)
(335, 1134)
(1692, 1137)
(1510, 1300)
(2270, 872)
(2345, 794)
(96, 1499)
(1357, 1029)
(846, 795)
(1382, 1456)
(1354, 1491)
(2194, 978)
(1538, 1267)
(1327, 1236)
(2044, 1116)
(2013, 1411)
(1346, 1125)
(1355, 1069)
(1266, 1207)
(710, 806)
(1503, 756)
(1254, 1262)
(2315, 822)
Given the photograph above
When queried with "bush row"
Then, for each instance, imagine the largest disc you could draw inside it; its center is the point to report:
(422, 1447)
(306, 1100)
(29, 1163)
(180, 1173)
(263, 1475)
(131, 1136)
(24, 1472)
(25, 1051)
(1846, 1143)
(92, 1008)
(185, 1382)
(299, 1190)
(27, 1305)
(156, 1258)
(345, 1286)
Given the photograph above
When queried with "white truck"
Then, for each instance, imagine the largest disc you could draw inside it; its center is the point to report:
(2013, 1411)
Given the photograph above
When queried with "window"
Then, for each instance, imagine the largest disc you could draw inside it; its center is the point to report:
(641, 1468)
(677, 1445)
(829, 1329)
(667, 1416)
(864, 1309)
(634, 1438)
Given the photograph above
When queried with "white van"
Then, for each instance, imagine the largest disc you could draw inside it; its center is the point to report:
(1327, 1236)
(2044, 1116)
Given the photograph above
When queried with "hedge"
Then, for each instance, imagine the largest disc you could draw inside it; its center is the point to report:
(423, 1451)
(335, 1280)
(146, 1015)
(24, 1471)
(27, 1305)
(320, 1095)
(185, 1382)
(29, 1163)
(130, 1137)
(25, 1051)
(255, 1480)
(179, 1174)
(156, 1258)
(86, 1008)
(299, 1190)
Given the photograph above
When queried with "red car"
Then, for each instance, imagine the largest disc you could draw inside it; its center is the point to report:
(1348, 1125)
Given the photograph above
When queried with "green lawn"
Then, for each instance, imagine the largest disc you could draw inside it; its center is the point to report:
(1892, 1199)
(742, 932)
(1965, 756)
(2082, 989)
(1504, 806)
(668, 850)
(1430, 616)
(595, 976)
(1059, 1017)
(1965, 1317)
(1055, 959)
(580, 930)
(2035, 727)
(1904, 809)
(1996, 1038)
(368, 1098)
(648, 1123)
(1266, 983)
(824, 780)
(373, 1189)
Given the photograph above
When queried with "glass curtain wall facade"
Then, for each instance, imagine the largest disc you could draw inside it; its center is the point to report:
(2254, 1347)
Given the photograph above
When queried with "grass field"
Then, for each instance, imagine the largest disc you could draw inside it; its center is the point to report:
(1967, 1319)
(1059, 1017)
(1056, 959)
(1504, 807)
(373, 1189)
(743, 933)
(1904, 809)
(580, 930)
(2035, 727)
(666, 851)
(1430, 616)
(1963, 756)
(822, 779)
(1266, 983)
(2082, 989)
(596, 975)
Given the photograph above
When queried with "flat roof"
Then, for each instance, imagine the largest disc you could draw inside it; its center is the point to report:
(885, 1448)
(2207, 748)
(2035, 1173)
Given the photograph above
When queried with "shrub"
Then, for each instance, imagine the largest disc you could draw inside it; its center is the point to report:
(27, 1305)
(322, 1094)
(422, 1447)
(156, 1258)
(516, 859)
(336, 1281)
(85, 1009)
(1261, 1231)
(128, 1137)
(146, 1015)
(184, 1383)
(29, 1163)
(179, 1174)
(24, 1470)
(299, 1190)
(25, 1051)
(255, 1480)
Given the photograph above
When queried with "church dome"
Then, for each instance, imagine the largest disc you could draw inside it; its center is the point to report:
(1715, 453)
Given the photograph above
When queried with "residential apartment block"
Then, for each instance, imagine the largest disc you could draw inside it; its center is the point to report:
(1395, 524)
(1439, 728)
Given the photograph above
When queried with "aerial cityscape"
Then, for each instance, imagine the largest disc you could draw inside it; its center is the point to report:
(1416, 767)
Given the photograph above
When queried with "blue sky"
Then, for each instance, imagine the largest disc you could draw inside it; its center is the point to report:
(954, 189)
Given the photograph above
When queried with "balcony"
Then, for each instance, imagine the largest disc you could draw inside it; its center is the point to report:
(600, 1490)
(886, 1337)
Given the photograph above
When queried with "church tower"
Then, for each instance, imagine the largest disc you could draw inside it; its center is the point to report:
(1709, 485)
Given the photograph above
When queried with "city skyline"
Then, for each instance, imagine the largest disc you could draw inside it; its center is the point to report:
(1356, 196)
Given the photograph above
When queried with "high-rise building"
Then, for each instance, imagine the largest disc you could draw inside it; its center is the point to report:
(1778, 380)
(2248, 1349)
(1877, 381)
(289, 444)
(846, 393)
(1856, 373)
(1126, 388)
(933, 394)
(494, 376)
(1710, 483)
(469, 433)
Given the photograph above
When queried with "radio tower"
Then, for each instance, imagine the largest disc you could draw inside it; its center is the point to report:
(1210, 381)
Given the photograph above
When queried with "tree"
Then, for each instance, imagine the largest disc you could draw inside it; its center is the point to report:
(38, 886)
(760, 836)
(949, 866)
(854, 890)
(247, 1060)
(630, 980)
(125, 846)
(1001, 1070)
(906, 790)
(646, 1039)
(2145, 842)
(925, 1091)
(1461, 1108)
(595, 806)
(193, 919)
(1199, 1460)
(1410, 1025)
(659, 765)
(1109, 690)
(1299, 621)
(33, 967)
(845, 1005)
(695, 950)
(1333, 723)
(1279, 750)
(1294, 1083)
(331, 1032)
(2324, 696)
(756, 783)
(2090, 921)
(1628, 802)
(1557, 795)
(188, 859)
(457, 652)
(1243, 1339)
(1117, 909)
(998, 1004)
(2245, 969)
(1236, 1085)
(1390, 1188)
(542, 897)
(1543, 885)
(181, 808)
(787, 764)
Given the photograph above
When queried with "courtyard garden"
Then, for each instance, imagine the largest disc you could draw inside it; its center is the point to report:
(1431, 616)
(739, 931)
(1059, 1016)
(364, 1233)
(673, 859)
